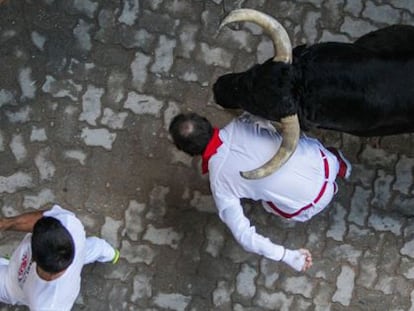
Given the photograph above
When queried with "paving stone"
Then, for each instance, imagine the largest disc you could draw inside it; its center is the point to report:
(110, 230)
(27, 85)
(157, 202)
(88, 7)
(404, 176)
(163, 55)
(14, 182)
(6, 97)
(133, 220)
(359, 206)
(354, 7)
(112, 119)
(222, 295)
(301, 304)
(143, 104)
(44, 197)
(269, 272)
(408, 249)
(203, 203)
(245, 281)
(381, 13)
(407, 268)
(20, 116)
(172, 301)
(214, 56)
(61, 88)
(322, 298)
(345, 286)
(129, 12)
(309, 27)
(298, 285)
(403, 205)
(141, 287)
(338, 225)
(378, 157)
(187, 37)
(264, 50)
(81, 33)
(45, 167)
(385, 223)
(215, 240)
(18, 148)
(382, 187)
(37, 134)
(368, 270)
(98, 137)
(273, 301)
(392, 285)
(165, 24)
(162, 236)
(137, 253)
(346, 252)
(355, 27)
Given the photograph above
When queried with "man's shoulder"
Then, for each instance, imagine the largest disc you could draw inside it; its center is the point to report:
(69, 220)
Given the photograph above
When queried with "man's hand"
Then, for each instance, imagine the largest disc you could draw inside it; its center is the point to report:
(308, 259)
(4, 224)
(300, 260)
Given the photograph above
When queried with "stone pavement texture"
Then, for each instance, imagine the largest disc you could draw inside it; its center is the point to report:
(87, 90)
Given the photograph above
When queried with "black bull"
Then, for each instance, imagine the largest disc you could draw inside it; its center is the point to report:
(365, 88)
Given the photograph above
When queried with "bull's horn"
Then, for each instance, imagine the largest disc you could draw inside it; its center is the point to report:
(278, 34)
(291, 131)
(283, 53)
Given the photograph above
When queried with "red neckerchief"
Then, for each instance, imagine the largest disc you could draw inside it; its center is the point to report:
(210, 150)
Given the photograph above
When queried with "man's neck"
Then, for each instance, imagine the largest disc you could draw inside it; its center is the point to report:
(48, 276)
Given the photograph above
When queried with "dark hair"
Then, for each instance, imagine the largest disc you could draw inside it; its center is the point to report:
(191, 133)
(53, 248)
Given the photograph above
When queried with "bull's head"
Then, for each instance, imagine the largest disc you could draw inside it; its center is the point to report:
(283, 56)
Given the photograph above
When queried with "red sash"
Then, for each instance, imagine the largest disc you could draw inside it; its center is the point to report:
(212, 146)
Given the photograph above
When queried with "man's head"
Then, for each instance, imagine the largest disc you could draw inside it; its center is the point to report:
(53, 249)
(191, 133)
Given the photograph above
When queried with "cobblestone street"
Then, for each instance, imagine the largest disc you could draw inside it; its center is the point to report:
(87, 91)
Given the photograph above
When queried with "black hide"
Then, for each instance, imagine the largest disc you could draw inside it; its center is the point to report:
(365, 88)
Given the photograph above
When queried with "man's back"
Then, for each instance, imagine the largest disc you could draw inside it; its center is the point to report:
(248, 144)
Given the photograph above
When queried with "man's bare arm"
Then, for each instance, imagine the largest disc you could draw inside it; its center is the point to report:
(22, 223)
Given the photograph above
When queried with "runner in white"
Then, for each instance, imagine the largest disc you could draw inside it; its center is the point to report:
(300, 189)
(25, 281)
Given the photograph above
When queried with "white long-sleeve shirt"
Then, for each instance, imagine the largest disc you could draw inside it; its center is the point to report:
(20, 283)
(247, 145)
(24, 286)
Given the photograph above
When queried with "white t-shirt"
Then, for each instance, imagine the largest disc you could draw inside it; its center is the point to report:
(247, 145)
(29, 289)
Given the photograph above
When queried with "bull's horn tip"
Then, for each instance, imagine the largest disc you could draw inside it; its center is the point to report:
(248, 175)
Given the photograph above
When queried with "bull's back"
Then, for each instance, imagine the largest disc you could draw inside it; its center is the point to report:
(347, 88)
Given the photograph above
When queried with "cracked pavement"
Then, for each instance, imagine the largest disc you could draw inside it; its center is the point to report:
(87, 90)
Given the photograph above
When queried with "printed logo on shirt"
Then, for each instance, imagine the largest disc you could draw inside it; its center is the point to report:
(24, 269)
